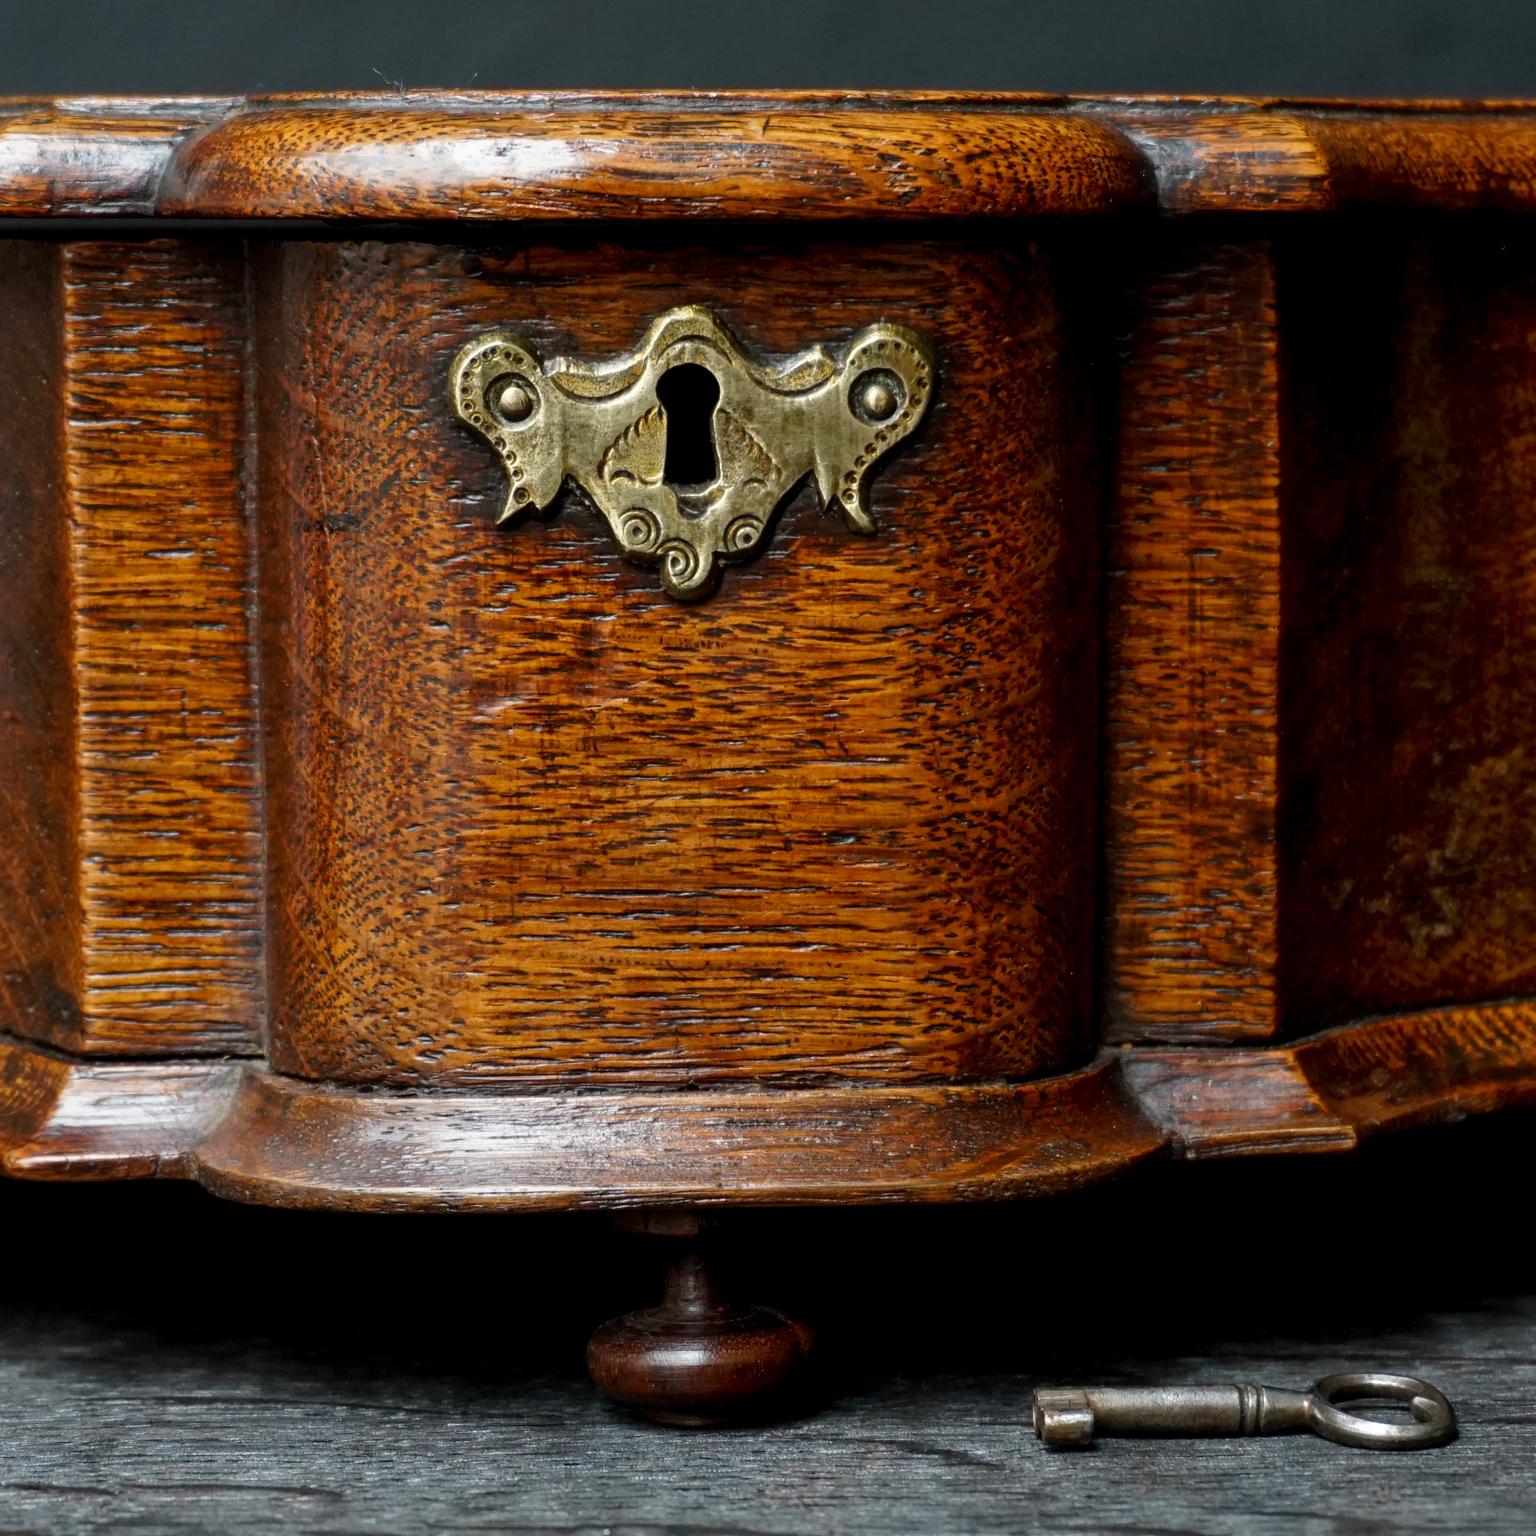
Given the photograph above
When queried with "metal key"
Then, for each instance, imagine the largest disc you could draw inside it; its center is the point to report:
(1072, 1416)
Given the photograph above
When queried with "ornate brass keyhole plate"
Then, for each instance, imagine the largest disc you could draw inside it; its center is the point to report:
(605, 425)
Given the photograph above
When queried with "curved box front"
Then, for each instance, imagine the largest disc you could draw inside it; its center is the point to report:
(354, 838)
(533, 821)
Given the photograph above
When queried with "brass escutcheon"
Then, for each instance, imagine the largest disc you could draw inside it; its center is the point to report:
(605, 426)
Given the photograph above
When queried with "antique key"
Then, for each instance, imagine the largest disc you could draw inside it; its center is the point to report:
(1071, 1416)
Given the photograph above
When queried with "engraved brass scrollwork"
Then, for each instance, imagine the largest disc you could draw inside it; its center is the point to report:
(605, 426)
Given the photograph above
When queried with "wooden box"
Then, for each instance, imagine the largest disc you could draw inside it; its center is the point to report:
(1126, 753)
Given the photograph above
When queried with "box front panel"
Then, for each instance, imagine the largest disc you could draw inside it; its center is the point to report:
(534, 819)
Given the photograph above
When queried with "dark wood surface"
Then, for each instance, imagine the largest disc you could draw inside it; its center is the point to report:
(477, 160)
(809, 154)
(40, 970)
(870, 851)
(1409, 620)
(1192, 609)
(534, 822)
(170, 852)
(130, 895)
(246, 1370)
(253, 1134)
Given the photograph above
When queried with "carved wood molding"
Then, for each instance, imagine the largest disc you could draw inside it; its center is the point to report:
(1175, 699)
(812, 155)
(250, 1134)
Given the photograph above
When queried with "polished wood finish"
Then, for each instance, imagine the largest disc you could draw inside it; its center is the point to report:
(254, 1135)
(40, 970)
(1155, 780)
(165, 734)
(281, 1141)
(1192, 664)
(429, 161)
(1248, 156)
(699, 1359)
(68, 1119)
(534, 821)
(1327, 1092)
(135, 926)
(811, 154)
(85, 157)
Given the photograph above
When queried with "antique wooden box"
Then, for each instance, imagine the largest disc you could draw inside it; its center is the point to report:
(684, 652)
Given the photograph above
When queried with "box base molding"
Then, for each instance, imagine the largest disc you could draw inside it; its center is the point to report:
(250, 1134)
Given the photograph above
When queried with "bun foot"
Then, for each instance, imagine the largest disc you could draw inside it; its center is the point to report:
(697, 1360)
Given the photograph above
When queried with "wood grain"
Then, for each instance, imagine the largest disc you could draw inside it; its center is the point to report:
(1193, 621)
(1326, 1092)
(287, 1143)
(1237, 158)
(752, 154)
(823, 847)
(1454, 162)
(169, 833)
(91, 157)
(383, 160)
(1409, 668)
(240, 1434)
(39, 879)
(1227, 1101)
(290, 1144)
(534, 821)
(131, 907)
(258, 1136)
(1416, 1068)
(71, 1119)
(255, 1135)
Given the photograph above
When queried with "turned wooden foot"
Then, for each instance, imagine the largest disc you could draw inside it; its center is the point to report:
(697, 1359)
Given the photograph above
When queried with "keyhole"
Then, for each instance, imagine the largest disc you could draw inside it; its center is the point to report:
(688, 394)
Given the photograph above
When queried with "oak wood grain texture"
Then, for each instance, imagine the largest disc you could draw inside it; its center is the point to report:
(1226, 158)
(71, 1119)
(91, 156)
(1192, 651)
(1410, 1069)
(1326, 1092)
(287, 1143)
(820, 849)
(169, 840)
(468, 155)
(132, 894)
(1230, 1101)
(532, 820)
(1274, 157)
(1409, 673)
(259, 1136)
(39, 893)
(380, 160)
(1452, 162)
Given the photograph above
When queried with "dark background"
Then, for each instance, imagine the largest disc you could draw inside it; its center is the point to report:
(1293, 47)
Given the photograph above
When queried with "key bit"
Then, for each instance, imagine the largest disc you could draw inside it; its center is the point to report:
(1067, 1417)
